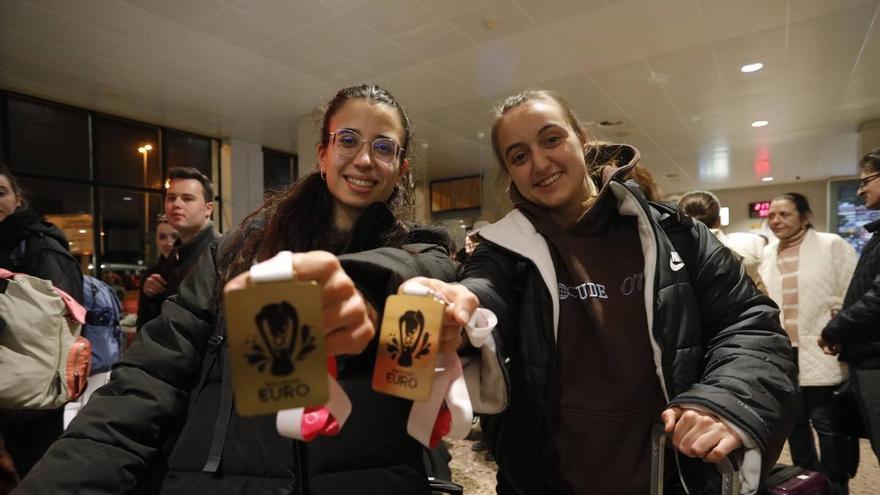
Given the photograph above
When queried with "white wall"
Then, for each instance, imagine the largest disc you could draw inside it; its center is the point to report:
(307, 134)
(241, 165)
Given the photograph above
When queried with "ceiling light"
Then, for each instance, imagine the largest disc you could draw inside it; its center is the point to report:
(126, 198)
(755, 67)
(767, 179)
(760, 123)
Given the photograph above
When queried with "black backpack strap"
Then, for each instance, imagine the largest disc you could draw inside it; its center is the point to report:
(224, 412)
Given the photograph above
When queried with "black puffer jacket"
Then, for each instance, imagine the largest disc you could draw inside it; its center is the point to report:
(856, 326)
(29, 245)
(125, 424)
(716, 339)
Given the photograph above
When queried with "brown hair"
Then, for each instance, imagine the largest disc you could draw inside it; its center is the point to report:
(176, 173)
(300, 218)
(800, 203)
(524, 97)
(702, 205)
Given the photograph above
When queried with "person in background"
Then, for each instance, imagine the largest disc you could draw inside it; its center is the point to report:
(605, 331)
(705, 207)
(340, 223)
(854, 334)
(807, 273)
(189, 203)
(34, 247)
(166, 239)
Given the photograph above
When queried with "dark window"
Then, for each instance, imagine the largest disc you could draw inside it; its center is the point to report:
(127, 217)
(188, 150)
(117, 156)
(47, 139)
(69, 206)
(279, 169)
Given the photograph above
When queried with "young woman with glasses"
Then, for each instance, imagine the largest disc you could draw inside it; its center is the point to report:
(347, 208)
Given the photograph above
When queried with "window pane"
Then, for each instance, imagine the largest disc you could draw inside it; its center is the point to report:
(127, 220)
(187, 150)
(279, 170)
(69, 206)
(48, 139)
(117, 157)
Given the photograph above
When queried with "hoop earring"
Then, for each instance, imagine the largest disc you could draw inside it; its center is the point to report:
(323, 176)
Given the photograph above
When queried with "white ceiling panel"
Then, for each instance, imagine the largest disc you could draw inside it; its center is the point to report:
(434, 39)
(240, 28)
(496, 19)
(390, 17)
(348, 33)
(668, 69)
(278, 12)
(186, 13)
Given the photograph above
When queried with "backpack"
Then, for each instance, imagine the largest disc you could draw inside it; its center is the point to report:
(103, 312)
(44, 359)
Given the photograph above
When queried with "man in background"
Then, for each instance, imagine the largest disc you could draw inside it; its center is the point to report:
(189, 203)
(855, 333)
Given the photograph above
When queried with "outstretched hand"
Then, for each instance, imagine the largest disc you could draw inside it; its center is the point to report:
(348, 320)
(461, 304)
(699, 434)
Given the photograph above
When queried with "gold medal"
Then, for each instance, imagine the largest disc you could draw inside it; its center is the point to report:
(408, 346)
(276, 346)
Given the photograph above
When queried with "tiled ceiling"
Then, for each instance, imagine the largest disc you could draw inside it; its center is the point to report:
(669, 70)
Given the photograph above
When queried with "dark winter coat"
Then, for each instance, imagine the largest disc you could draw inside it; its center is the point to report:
(173, 269)
(857, 326)
(717, 340)
(121, 430)
(29, 245)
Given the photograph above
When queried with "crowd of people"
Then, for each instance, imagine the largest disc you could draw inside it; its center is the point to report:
(610, 312)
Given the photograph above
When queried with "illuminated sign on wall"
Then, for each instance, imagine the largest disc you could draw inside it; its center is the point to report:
(760, 209)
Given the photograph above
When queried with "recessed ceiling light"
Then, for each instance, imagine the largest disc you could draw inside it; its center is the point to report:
(751, 67)
(767, 179)
(83, 231)
(126, 198)
(759, 123)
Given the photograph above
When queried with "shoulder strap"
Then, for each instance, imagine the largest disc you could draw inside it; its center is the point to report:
(224, 412)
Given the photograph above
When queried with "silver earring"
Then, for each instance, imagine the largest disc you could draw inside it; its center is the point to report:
(323, 176)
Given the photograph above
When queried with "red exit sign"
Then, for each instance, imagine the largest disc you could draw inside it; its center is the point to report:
(759, 209)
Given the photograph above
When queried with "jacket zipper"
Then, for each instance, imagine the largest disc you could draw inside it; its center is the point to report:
(645, 216)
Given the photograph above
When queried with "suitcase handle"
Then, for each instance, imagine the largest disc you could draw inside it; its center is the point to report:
(730, 480)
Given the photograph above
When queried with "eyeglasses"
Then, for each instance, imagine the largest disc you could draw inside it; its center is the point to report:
(348, 143)
(865, 180)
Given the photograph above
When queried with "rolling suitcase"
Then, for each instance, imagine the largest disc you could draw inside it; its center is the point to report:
(794, 480)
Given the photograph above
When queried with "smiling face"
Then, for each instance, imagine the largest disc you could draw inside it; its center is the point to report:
(544, 156)
(357, 181)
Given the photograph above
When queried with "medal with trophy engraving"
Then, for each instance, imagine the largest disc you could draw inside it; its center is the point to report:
(276, 346)
(408, 346)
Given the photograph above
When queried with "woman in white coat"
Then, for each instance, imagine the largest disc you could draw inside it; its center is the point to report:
(807, 273)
